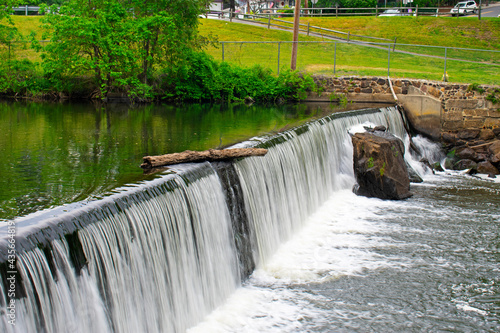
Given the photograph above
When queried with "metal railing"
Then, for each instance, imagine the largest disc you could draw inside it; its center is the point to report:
(309, 29)
(339, 11)
(346, 56)
(367, 58)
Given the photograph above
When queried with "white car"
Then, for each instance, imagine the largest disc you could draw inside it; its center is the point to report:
(394, 12)
(463, 8)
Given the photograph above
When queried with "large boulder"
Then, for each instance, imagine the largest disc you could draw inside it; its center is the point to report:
(379, 166)
(487, 168)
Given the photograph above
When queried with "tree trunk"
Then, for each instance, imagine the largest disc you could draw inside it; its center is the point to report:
(200, 156)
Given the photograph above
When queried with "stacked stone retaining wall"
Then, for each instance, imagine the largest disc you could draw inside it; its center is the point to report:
(465, 117)
(463, 106)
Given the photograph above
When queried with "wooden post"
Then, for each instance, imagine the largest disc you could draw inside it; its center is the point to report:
(295, 41)
(336, 10)
(335, 58)
(376, 11)
(416, 11)
(307, 28)
(269, 21)
(279, 49)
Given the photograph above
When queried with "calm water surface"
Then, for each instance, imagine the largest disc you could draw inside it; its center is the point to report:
(59, 153)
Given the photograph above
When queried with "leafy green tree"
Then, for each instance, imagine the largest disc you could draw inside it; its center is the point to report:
(121, 42)
(358, 3)
(7, 29)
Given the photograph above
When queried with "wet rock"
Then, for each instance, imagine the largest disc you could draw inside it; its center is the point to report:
(426, 163)
(465, 164)
(466, 154)
(414, 176)
(437, 167)
(487, 168)
(449, 163)
(379, 166)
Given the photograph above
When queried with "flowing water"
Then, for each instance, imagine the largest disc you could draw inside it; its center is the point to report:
(53, 154)
(172, 254)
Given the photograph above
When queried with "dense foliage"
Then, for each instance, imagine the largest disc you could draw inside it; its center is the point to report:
(144, 49)
(121, 42)
(7, 30)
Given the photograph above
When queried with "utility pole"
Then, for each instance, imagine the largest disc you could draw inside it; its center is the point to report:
(295, 43)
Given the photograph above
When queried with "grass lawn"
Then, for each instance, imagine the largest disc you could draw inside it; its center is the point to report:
(349, 59)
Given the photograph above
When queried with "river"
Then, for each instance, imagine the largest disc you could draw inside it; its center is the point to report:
(171, 252)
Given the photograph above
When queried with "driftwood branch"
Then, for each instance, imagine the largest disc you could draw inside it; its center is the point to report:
(200, 156)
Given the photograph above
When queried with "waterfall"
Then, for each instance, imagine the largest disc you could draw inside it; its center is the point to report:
(301, 170)
(160, 255)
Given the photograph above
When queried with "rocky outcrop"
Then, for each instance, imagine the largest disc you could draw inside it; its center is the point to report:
(480, 152)
(379, 166)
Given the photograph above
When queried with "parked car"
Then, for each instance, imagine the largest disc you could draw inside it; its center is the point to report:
(463, 8)
(394, 12)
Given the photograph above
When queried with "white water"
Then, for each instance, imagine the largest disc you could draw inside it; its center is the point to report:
(297, 176)
(156, 276)
(335, 241)
(164, 262)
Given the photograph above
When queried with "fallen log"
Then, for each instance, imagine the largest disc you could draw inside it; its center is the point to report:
(188, 156)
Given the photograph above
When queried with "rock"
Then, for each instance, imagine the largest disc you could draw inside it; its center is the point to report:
(437, 166)
(494, 148)
(449, 137)
(481, 157)
(468, 134)
(466, 154)
(449, 163)
(414, 176)
(487, 168)
(486, 134)
(426, 163)
(380, 128)
(379, 166)
(465, 164)
(495, 159)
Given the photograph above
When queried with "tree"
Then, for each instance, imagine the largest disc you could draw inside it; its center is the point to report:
(120, 41)
(7, 29)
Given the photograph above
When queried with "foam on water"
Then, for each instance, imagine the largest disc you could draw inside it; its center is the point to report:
(336, 241)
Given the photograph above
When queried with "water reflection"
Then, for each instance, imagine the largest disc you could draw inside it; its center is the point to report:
(58, 153)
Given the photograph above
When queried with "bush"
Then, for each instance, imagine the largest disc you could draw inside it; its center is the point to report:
(204, 79)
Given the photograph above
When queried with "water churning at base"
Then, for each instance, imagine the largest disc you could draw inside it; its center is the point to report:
(160, 256)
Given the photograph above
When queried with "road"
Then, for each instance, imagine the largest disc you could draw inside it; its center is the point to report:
(490, 11)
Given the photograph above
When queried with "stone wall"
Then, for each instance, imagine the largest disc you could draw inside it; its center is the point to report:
(462, 116)
(463, 106)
